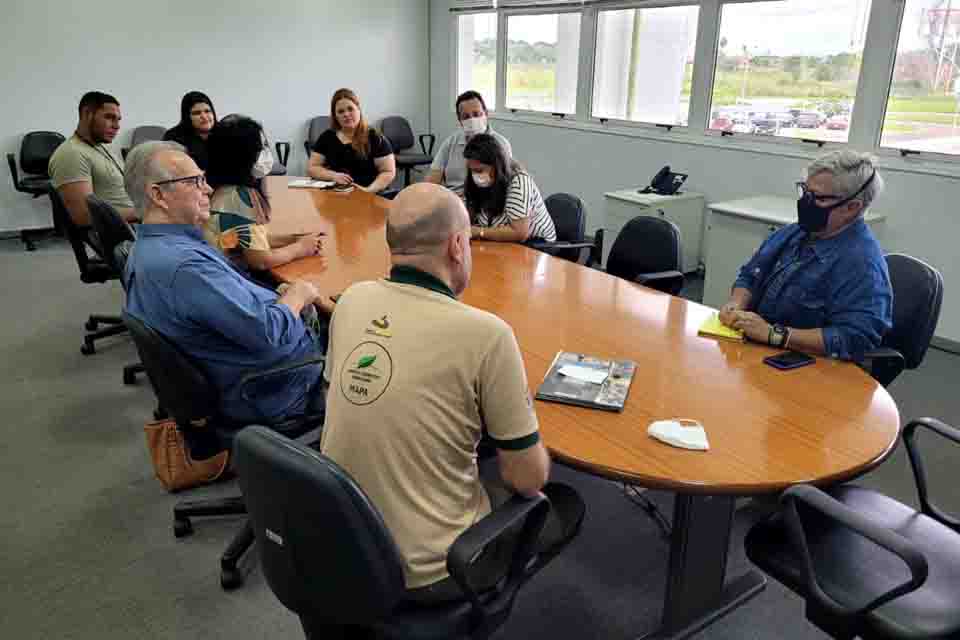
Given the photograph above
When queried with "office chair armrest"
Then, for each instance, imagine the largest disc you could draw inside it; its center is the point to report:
(860, 524)
(656, 276)
(286, 368)
(883, 364)
(12, 161)
(531, 512)
(916, 463)
(559, 245)
(596, 251)
(283, 152)
(423, 147)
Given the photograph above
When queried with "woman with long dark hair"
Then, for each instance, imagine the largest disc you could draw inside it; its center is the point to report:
(239, 208)
(351, 151)
(197, 118)
(504, 202)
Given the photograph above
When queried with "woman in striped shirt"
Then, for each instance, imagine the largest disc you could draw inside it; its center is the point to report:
(504, 202)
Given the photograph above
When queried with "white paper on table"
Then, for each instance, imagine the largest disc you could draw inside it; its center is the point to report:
(311, 184)
(585, 374)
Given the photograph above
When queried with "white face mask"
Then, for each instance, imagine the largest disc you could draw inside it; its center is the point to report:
(474, 126)
(264, 164)
(482, 180)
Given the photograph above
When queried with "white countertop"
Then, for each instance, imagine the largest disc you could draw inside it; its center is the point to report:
(650, 199)
(775, 209)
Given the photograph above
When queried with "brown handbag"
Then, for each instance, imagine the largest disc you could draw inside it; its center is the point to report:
(172, 463)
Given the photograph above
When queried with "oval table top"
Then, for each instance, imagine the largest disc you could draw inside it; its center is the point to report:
(768, 429)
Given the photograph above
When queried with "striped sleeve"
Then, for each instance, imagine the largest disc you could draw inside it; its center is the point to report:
(525, 202)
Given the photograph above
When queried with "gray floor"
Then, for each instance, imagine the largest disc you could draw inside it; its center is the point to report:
(87, 549)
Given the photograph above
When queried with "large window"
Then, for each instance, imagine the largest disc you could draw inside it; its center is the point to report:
(789, 68)
(477, 55)
(922, 110)
(644, 64)
(543, 55)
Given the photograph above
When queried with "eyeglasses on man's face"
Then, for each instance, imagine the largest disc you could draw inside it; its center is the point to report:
(199, 181)
(803, 190)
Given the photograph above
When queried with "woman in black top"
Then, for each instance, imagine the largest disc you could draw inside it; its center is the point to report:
(352, 152)
(197, 117)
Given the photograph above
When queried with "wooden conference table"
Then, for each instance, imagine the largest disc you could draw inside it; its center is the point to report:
(767, 429)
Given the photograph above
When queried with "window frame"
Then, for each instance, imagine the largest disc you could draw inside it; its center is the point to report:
(545, 10)
(821, 145)
(635, 4)
(455, 52)
(884, 22)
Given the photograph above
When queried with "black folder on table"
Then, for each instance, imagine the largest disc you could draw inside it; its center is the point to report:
(608, 390)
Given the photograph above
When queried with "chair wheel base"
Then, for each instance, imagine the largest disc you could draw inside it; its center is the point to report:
(182, 528)
(87, 349)
(90, 325)
(230, 578)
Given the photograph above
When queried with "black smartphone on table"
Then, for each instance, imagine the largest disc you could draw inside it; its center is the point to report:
(789, 360)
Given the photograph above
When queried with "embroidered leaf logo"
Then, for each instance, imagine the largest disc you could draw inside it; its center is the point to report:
(366, 361)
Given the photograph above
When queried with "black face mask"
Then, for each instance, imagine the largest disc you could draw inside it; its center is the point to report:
(813, 218)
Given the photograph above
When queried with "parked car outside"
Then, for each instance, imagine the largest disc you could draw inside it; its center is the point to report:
(809, 120)
(841, 122)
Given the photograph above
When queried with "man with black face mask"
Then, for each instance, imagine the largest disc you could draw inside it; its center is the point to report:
(820, 285)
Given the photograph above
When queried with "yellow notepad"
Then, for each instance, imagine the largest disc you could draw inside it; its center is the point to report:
(713, 328)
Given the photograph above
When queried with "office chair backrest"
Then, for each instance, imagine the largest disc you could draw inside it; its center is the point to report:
(93, 267)
(36, 149)
(917, 295)
(398, 131)
(316, 127)
(110, 227)
(647, 244)
(146, 133)
(181, 388)
(325, 550)
(569, 219)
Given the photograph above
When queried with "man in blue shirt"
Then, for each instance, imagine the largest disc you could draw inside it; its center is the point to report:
(820, 285)
(188, 292)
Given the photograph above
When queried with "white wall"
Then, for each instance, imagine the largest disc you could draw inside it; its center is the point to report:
(276, 61)
(923, 208)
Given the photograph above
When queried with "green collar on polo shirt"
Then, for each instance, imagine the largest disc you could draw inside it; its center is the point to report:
(402, 274)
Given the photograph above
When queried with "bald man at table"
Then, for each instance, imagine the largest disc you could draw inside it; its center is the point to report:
(416, 377)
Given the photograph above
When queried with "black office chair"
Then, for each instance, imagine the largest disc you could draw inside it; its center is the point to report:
(570, 220)
(866, 565)
(112, 230)
(917, 296)
(184, 392)
(647, 251)
(93, 268)
(400, 134)
(329, 557)
(315, 128)
(35, 151)
(145, 133)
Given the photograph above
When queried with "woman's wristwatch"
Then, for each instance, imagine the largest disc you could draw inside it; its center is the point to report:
(778, 336)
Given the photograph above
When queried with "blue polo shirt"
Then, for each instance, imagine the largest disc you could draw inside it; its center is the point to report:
(185, 290)
(839, 284)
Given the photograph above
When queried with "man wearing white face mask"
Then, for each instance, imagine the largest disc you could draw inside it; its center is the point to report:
(239, 159)
(449, 166)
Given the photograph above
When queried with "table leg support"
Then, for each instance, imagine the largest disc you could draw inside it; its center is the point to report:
(697, 594)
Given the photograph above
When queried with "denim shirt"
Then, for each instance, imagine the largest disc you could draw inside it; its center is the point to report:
(839, 284)
(185, 290)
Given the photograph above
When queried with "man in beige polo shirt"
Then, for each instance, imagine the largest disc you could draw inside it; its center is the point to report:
(83, 164)
(415, 379)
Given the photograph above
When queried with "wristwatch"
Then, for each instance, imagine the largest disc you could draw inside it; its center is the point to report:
(778, 336)
(481, 233)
